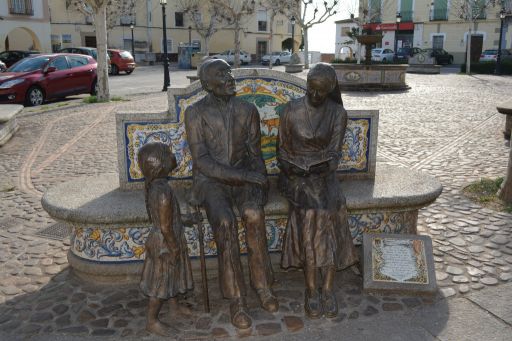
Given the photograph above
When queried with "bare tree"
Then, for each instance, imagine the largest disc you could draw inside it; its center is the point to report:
(274, 7)
(470, 11)
(312, 12)
(205, 16)
(99, 11)
(235, 13)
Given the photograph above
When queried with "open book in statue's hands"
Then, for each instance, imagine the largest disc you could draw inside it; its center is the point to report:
(316, 167)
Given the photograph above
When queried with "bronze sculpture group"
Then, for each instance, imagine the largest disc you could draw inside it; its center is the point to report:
(223, 133)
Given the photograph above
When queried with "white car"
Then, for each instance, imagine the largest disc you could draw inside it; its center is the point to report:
(3, 67)
(229, 56)
(382, 55)
(492, 55)
(277, 58)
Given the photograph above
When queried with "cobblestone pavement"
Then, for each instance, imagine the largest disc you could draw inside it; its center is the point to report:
(446, 125)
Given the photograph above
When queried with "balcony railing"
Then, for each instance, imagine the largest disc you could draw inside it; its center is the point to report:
(406, 16)
(439, 14)
(21, 7)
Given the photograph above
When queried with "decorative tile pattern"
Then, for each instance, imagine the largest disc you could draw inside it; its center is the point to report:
(109, 245)
(127, 244)
(270, 97)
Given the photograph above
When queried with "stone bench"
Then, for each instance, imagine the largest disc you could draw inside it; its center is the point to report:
(8, 123)
(506, 109)
(107, 214)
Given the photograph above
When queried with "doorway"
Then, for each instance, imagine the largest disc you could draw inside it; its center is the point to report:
(476, 47)
(261, 49)
(90, 41)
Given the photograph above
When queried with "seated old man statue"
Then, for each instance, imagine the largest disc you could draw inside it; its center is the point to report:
(224, 137)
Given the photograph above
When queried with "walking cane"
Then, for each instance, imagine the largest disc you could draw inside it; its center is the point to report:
(204, 279)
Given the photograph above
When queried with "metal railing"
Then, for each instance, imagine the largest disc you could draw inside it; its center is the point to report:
(406, 16)
(21, 7)
(439, 14)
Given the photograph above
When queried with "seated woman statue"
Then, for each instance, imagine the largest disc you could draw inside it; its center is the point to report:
(167, 270)
(317, 237)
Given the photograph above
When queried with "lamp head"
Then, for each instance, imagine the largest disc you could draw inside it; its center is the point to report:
(398, 17)
(502, 14)
(131, 26)
(292, 20)
(163, 2)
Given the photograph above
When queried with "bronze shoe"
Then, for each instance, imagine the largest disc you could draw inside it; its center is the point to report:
(312, 305)
(268, 300)
(239, 316)
(329, 304)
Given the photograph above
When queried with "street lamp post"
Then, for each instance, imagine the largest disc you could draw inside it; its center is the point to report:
(133, 42)
(190, 36)
(167, 81)
(498, 57)
(398, 20)
(292, 20)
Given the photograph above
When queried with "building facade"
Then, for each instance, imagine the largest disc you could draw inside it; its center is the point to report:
(25, 25)
(437, 24)
(71, 28)
(345, 46)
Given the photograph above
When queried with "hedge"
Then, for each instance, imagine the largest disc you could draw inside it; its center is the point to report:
(489, 67)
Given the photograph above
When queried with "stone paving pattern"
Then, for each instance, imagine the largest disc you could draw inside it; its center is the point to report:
(446, 125)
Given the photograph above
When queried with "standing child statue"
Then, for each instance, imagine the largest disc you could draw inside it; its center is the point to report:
(167, 270)
(317, 237)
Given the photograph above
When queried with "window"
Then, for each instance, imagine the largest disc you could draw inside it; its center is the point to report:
(60, 63)
(66, 38)
(437, 42)
(440, 10)
(479, 9)
(374, 11)
(345, 31)
(262, 20)
(178, 19)
(76, 61)
(22, 7)
(56, 42)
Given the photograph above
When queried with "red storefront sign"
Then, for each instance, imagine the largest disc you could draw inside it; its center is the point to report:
(405, 26)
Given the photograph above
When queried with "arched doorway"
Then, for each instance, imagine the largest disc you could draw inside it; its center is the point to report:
(22, 38)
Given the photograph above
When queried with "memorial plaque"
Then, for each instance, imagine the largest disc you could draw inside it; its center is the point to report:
(398, 263)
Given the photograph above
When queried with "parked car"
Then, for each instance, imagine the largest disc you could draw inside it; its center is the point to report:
(382, 55)
(3, 67)
(229, 56)
(36, 79)
(12, 57)
(121, 60)
(88, 51)
(492, 55)
(403, 53)
(278, 58)
(441, 56)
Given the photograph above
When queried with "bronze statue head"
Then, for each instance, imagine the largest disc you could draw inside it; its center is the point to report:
(216, 78)
(322, 84)
(156, 160)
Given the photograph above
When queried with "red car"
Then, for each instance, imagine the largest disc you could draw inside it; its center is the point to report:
(121, 60)
(36, 79)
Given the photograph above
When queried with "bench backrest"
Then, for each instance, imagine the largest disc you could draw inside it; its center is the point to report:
(267, 89)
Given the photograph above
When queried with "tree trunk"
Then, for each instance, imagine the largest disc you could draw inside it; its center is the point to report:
(236, 63)
(468, 52)
(306, 51)
(505, 192)
(103, 94)
(271, 40)
(206, 46)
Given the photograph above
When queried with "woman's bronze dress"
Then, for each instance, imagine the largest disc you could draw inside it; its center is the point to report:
(317, 232)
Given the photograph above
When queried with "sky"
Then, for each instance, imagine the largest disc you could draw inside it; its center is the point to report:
(322, 37)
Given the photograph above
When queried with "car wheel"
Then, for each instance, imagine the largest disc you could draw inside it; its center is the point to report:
(278, 62)
(129, 71)
(35, 96)
(94, 88)
(115, 69)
